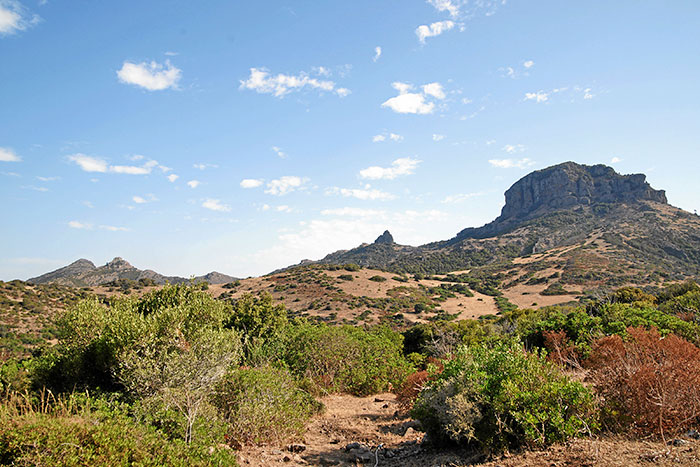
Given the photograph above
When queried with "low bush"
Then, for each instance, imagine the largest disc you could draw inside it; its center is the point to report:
(263, 405)
(346, 358)
(500, 397)
(649, 384)
(378, 279)
(80, 430)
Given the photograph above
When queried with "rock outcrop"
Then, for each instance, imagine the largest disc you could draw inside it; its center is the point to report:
(385, 238)
(566, 186)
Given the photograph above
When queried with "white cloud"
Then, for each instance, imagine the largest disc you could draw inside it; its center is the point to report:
(149, 198)
(321, 70)
(446, 5)
(434, 29)
(94, 164)
(513, 148)
(88, 204)
(215, 205)
(112, 228)
(363, 194)
(193, 183)
(402, 166)
(378, 138)
(283, 208)
(47, 179)
(8, 155)
(511, 163)
(383, 137)
(205, 166)
(173, 177)
(528, 64)
(284, 185)
(587, 94)
(395, 137)
(539, 96)
(434, 89)
(89, 164)
(377, 53)
(151, 76)
(251, 183)
(280, 85)
(409, 102)
(35, 188)
(437, 137)
(615, 160)
(139, 200)
(14, 17)
(281, 154)
(459, 197)
(79, 225)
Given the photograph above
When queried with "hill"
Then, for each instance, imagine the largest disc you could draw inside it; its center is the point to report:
(588, 224)
(84, 273)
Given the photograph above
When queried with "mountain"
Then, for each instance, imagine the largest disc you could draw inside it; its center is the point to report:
(600, 227)
(83, 273)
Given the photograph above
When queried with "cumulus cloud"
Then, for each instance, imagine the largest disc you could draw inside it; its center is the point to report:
(95, 164)
(539, 96)
(8, 155)
(143, 200)
(352, 212)
(377, 53)
(434, 29)
(528, 64)
(88, 163)
(615, 160)
(172, 178)
(383, 137)
(401, 166)
(152, 76)
(193, 183)
(446, 5)
(512, 163)
(414, 102)
(281, 154)
(364, 194)
(79, 225)
(437, 137)
(251, 183)
(139, 200)
(261, 81)
(15, 18)
(215, 205)
(285, 185)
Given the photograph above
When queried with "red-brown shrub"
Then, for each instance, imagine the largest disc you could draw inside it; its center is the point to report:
(648, 383)
(561, 351)
(407, 394)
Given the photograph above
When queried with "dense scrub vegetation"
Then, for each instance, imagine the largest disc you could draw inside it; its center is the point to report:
(187, 378)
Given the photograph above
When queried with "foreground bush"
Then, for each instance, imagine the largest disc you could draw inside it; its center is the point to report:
(346, 358)
(503, 397)
(648, 383)
(263, 405)
(78, 430)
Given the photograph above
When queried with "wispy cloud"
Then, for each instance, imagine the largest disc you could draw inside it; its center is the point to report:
(96, 164)
(261, 81)
(14, 17)
(285, 185)
(377, 53)
(459, 197)
(152, 76)
(615, 160)
(399, 167)
(512, 163)
(281, 154)
(251, 183)
(539, 96)
(513, 148)
(215, 205)
(414, 102)
(47, 179)
(149, 198)
(517, 71)
(434, 29)
(79, 225)
(384, 136)
(205, 166)
(352, 212)
(365, 194)
(569, 92)
(172, 178)
(8, 155)
(437, 137)
(193, 183)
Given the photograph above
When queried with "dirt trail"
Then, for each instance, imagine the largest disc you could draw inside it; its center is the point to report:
(372, 421)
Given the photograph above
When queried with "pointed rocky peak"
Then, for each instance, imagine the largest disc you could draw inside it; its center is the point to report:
(118, 263)
(385, 238)
(82, 263)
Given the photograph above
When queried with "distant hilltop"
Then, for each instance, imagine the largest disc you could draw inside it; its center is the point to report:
(84, 273)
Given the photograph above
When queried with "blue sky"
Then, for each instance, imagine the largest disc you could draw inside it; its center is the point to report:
(245, 136)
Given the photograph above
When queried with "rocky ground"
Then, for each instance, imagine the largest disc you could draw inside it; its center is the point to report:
(373, 431)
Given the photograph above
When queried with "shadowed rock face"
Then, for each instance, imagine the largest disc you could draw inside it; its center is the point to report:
(565, 186)
(385, 238)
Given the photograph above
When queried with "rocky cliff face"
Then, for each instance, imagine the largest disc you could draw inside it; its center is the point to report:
(566, 186)
(385, 238)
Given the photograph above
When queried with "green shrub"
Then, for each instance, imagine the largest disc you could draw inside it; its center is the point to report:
(79, 430)
(346, 277)
(378, 278)
(263, 405)
(503, 397)
(346, 358)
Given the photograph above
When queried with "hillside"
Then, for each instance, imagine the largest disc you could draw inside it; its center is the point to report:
(84, 273)
(583, 216)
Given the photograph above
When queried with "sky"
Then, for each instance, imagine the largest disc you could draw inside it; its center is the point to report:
(241, 137)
